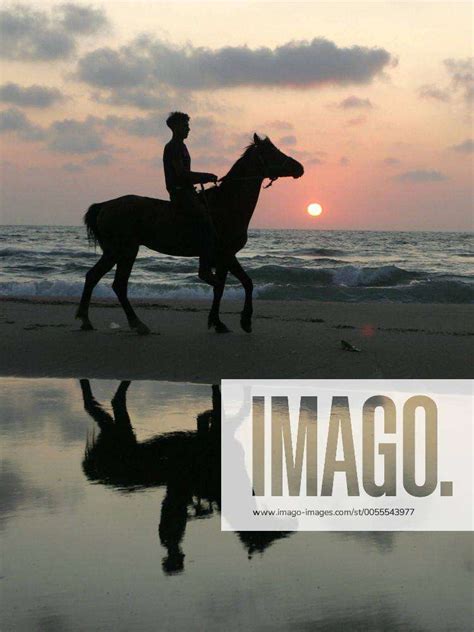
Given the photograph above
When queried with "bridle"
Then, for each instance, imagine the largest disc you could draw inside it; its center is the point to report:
(266, 168)
(266, 171)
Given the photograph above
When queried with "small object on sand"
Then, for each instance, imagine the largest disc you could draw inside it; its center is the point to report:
(346, 346)
(114, 326)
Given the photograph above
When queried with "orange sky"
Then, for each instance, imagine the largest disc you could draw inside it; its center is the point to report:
(393, 151)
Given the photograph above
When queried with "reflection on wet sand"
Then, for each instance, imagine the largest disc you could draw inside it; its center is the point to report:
(187, 463)
(132, 540)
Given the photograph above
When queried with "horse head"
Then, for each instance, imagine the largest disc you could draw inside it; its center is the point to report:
(273, 162)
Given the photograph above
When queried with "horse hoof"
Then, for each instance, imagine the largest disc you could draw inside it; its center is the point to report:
(222, 329)
(87, 326)
(141, 329)
(246, 326)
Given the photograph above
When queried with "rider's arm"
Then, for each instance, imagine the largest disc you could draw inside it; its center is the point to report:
(190, 177)
(202, 177)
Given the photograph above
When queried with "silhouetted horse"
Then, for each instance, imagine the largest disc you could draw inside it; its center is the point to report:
(187, 463)
(122, 225)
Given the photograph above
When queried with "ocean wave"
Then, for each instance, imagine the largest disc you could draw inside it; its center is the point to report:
(374, 277)
(317, 252)
(144, 291)
(426, 292)
(348, 275)
(301, 265)
(443, 291)
(36, 253)
(13, 252)
(282, 274)
(34, 269)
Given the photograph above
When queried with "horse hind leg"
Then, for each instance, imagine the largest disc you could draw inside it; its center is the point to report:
(120, 287)
(104, 265)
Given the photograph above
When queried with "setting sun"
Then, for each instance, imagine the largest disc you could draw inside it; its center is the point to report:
(315, 209)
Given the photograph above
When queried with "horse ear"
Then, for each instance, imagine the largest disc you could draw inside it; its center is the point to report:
(256, 139)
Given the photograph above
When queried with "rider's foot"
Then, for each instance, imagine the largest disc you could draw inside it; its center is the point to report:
(206, 275)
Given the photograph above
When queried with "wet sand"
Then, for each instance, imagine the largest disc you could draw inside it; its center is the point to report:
(289, 340)
(110, 530)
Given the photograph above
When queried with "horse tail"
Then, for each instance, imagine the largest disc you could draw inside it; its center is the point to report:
(90, 220)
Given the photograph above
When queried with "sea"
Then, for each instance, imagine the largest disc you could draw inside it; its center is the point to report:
(351, 266)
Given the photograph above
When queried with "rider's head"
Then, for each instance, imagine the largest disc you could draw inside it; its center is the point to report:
(178, 122)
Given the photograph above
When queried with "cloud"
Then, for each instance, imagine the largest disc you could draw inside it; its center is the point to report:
(461, 72)
(72, 167)
(429, 91)
(101, 160)
(355, 102)
(143, 126)
(14, 120)
(287, 140)
(300, 64)
(81, 137)
(279, 125)
(421, 175)
(32, 96)
(75, 137)
(143, 99)
(315, 161)
(301, 154)
(205, 134)
(209, 160)
(80, 19)
(17, 491)
(344, 161)
(238, 141)
(66, 136)
(36, 35)
(203, 122)
(391, 162)
(154, 125)
(358, 120)
(466, 147)
(106, 68)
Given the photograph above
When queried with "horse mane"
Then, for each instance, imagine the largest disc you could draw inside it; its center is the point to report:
(236, 167)
(234, 170)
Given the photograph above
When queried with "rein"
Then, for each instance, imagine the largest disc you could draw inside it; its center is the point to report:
(249, 178)
(266, 168)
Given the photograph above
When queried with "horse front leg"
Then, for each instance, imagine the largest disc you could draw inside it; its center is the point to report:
(214, 319)
(246, 314)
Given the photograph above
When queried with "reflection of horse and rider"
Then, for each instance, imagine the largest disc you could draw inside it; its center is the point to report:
(188, 463)
(211, 224)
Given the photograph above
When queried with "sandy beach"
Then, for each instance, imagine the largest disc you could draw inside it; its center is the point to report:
(289, 340)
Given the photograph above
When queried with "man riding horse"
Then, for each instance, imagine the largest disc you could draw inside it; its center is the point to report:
(120, 226)
(180, 181)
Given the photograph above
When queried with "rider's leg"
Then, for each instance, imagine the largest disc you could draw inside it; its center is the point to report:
(208, 250)
(206, 235)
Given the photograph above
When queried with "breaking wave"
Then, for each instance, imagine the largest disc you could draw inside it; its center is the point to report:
(42, 262)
